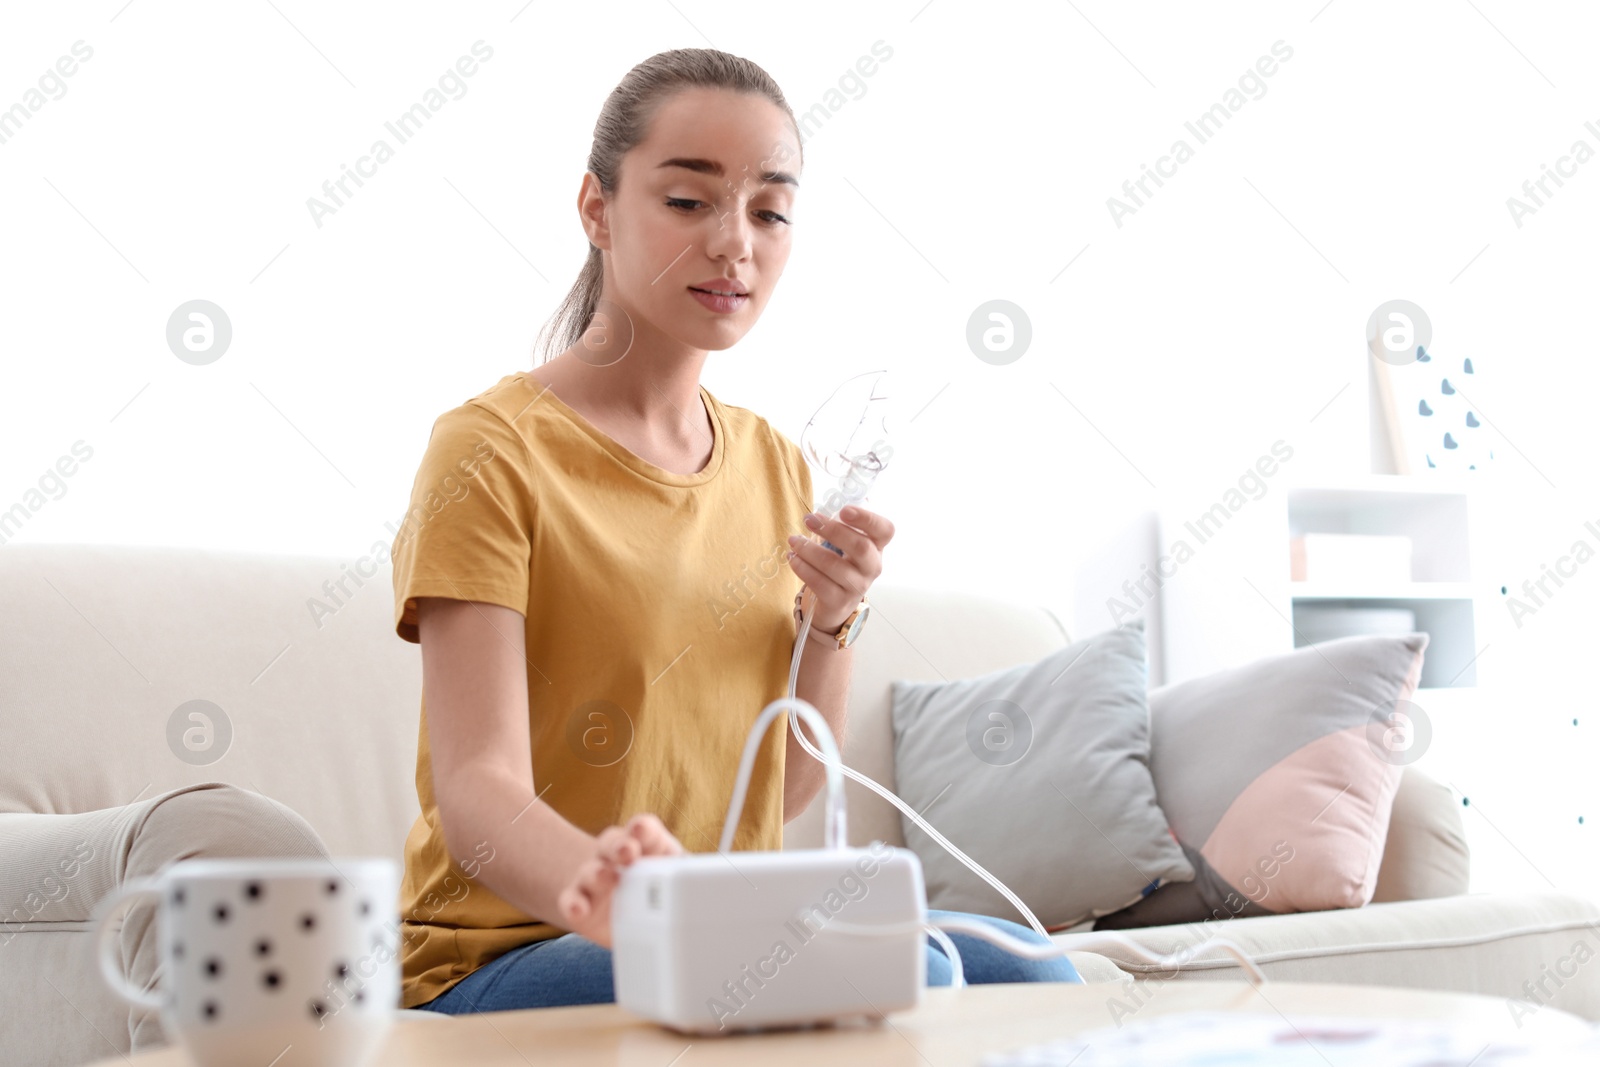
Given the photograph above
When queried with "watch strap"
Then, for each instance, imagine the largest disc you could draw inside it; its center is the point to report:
(837, 638)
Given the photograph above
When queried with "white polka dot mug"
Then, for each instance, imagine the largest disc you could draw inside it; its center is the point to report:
(289, 962)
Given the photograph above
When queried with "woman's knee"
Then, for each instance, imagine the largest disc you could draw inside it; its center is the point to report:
(575, 970)
(558, 972)
(1018, 931)
(985, 962)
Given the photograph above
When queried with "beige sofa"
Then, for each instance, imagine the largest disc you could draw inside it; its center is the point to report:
(99, 645)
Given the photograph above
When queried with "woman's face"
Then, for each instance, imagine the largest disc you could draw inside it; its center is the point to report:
(706, 201)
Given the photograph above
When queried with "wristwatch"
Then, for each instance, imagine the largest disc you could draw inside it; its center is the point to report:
(848, 631)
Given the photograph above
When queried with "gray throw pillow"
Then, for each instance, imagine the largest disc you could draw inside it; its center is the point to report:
(1039, 772)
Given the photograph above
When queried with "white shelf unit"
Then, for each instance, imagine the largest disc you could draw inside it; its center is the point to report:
(1368, 590)
(1440, 594)
(1233, 600)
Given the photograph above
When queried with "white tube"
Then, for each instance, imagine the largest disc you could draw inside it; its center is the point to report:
(1027, 950)
(958, 976)
(831, 762)
(835, 832)
(1101, 939)
(905, 809)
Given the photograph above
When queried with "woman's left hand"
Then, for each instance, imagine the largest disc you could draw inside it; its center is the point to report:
(836, 582)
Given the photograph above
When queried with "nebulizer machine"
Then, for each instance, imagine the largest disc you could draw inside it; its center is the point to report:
(729, 941)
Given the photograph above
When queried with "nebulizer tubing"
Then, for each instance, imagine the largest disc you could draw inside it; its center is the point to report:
(1028, 950)
(864, 469)
(835, 838)
(832, 763)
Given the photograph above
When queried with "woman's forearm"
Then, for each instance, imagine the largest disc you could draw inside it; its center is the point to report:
(824, 682)
(518, 847)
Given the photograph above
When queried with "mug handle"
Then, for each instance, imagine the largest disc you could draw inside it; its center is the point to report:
(110, 969)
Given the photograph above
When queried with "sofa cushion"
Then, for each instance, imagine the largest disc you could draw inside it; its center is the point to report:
(1536, 950)
(1039, 772)
(1093, 967)
(1279, 773)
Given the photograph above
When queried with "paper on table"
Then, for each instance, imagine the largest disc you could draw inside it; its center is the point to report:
(1246, 1039)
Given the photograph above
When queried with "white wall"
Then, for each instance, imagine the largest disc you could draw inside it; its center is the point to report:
(975, 164)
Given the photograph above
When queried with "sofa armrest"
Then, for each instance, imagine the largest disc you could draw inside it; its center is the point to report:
(56, 868)
(1534, 949)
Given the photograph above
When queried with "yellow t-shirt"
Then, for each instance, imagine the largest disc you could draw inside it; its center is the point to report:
(659, 623)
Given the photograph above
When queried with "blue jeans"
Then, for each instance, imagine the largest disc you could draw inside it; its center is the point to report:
(571, 969)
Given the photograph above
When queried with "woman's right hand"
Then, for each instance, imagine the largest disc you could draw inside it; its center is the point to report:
(585, 901)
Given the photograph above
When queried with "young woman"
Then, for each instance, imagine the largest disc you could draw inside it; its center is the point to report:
(594, 565)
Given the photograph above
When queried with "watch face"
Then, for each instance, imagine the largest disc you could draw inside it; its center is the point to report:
(855, 627)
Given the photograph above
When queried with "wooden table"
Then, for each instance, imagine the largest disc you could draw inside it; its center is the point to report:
(952, 1026)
